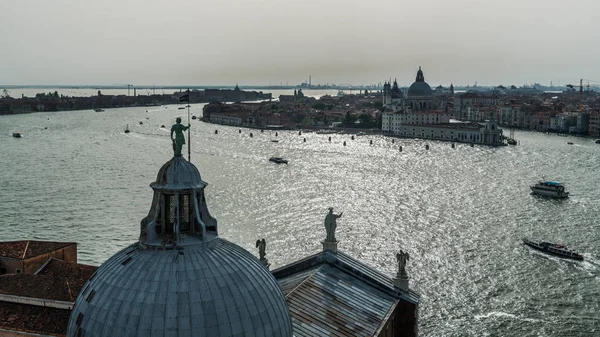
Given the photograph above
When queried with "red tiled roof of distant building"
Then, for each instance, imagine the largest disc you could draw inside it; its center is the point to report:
(28, 248)
(34, 319)
(75, 273)
(38, 286)
(56, 280)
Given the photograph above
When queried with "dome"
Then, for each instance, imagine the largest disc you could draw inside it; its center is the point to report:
(212, 289)
(177, 174)
(420, 87)
(180, 278)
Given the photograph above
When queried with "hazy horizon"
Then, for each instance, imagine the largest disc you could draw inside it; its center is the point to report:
(265, 42)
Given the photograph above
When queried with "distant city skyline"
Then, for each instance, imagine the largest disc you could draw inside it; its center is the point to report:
(192, 42)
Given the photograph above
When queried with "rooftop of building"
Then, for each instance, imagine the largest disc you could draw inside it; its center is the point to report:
(334, 294)
(28, 248)
(56, 280)
(33, 319)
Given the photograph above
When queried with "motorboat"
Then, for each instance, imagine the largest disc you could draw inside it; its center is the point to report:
(278, 160)
(511, 141)
(274, 141)
(552, 189)
(127, 129)
(553, 249)
(16, 134)
(181, 108)
(98, 110)
(570, 143)
(597, 141)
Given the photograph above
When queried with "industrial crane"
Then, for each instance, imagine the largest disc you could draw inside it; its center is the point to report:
(129, 86)
(580, 86)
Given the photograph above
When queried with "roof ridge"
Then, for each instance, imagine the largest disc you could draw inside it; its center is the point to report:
(25, 250)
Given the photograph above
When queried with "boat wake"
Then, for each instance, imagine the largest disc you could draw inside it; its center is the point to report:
(500, 314)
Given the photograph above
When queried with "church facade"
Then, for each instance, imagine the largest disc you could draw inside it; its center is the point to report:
(423, 115)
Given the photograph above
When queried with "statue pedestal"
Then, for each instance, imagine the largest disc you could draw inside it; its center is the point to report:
(401, 282)
(265, 263)
(332, 246)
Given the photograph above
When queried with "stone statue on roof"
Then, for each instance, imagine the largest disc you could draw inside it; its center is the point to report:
(262, 246)
(331, 225)
(402, 258)
(179, 139)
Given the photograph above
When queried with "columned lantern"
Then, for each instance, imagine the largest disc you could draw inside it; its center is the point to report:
(178, 215)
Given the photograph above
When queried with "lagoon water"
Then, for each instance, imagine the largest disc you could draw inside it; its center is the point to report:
(460, 213)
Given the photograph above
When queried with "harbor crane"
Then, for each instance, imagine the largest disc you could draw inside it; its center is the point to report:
(580, 86)
(129, 86)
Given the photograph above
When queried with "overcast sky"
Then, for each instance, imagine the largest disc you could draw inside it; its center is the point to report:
(221, 42)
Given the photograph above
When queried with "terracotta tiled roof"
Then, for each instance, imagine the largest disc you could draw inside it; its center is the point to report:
(58, 280)
(27, 249)
(30, 318)
(76, 274)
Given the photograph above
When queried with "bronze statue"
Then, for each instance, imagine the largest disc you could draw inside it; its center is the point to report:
(331, 225)
(179, 139)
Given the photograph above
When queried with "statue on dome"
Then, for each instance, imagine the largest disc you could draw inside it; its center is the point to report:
(179, 139)
(331, 225)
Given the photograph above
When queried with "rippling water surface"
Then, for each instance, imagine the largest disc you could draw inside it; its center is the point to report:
(460, 213)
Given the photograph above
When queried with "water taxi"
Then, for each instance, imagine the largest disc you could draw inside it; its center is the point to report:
(553, 249)
(552, 189)
(278, 160)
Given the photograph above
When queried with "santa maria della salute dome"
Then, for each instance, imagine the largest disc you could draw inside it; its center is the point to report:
(181, 279)
(419, 87)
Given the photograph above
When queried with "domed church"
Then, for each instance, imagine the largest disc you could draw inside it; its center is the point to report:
(419, 97)
(182, 279)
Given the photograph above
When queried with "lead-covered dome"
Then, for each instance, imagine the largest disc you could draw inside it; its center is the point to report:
(213, 289)
(178, 173)
(181, 279)
(420, 87)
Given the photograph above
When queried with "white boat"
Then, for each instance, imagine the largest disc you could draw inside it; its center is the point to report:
(552, 189)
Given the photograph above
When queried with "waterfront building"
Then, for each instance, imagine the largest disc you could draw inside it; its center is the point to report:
(594, 124)
(583, 121)
(182, 279)
(464, 101)
(421, 115)
(513, 115)
(487, 134)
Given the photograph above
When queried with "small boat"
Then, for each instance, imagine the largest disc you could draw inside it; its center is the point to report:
(181, 108)
(188, 106)
(194, 117)
(278, 160)
(511, 141)
(274, 141)
(127, 129)
(552, 189)
(98, 110)
(570, 143)
(553, 249)
(597, 141)
(16, 134)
